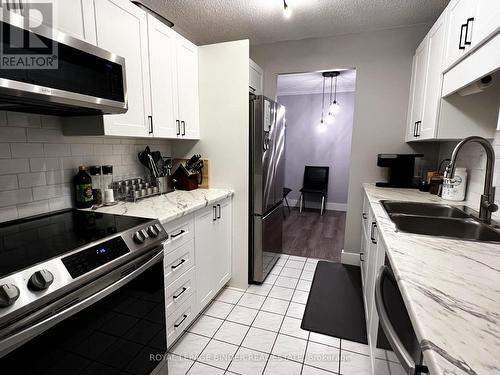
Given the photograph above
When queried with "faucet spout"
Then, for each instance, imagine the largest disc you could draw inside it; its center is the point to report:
(487, 204)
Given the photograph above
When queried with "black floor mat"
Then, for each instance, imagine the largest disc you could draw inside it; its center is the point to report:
(335, 304)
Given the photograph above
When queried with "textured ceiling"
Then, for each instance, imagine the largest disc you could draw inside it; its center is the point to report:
(262, 21)
(312, 83)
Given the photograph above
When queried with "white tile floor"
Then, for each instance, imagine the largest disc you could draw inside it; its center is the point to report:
(257, 331)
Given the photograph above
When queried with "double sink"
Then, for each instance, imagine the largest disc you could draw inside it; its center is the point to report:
(438, 220)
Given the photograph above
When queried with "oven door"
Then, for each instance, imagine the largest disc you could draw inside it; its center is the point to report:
(115, 324)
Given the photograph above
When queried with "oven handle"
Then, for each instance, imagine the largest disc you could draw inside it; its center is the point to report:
(407, 362)
(41, 326)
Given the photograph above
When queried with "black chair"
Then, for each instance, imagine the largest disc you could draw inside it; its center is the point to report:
(286, 191)
(315, 182)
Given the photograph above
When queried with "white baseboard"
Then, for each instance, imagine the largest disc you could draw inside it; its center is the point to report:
(350, 258)
(333, 206)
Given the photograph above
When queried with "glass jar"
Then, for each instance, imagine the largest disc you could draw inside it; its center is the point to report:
(95, 175)
(107, 176)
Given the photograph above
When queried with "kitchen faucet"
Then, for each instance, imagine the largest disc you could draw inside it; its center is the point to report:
(487, 203)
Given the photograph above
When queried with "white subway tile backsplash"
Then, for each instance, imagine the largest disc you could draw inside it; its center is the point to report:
(44, 164)
(9, 166)
(12, 134)
(15, 197)
(8, 182)
(34, 208)
(82, 149)
(31, 179)
(26, 150)
(57, 149)
(4, 150)
(38, 162)
(51, 191)
(8, 213)
(25, 120)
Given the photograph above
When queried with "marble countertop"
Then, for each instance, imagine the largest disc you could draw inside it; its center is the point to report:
(451, 289)
(168, 207)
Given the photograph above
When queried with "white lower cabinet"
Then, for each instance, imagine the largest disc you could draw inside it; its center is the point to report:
(213, 250)
(197, 264)
(372, 258)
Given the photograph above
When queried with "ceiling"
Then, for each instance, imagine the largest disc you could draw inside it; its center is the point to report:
(262, 21)
(312, 83)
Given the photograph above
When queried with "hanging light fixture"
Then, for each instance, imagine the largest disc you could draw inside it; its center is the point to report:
(334, 106)
(287, 12)
(330, 117)
(322, 125)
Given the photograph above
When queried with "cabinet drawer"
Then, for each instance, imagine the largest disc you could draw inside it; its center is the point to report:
(179, 291)
(179, 232)
(180, 320)
(178, 261)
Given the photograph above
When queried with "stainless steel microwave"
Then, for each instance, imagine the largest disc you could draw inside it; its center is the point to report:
(45, 71)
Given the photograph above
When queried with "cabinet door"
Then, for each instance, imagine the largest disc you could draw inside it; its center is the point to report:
(487, 19)
(433, 79)
(223, 243)
(122, 29)
(418, 87)
(162, 60)
(256, 78)
(458, 35)
(205, 253)
(75, 17)
(187, 89)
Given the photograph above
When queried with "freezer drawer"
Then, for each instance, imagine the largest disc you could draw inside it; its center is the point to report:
(267, 243)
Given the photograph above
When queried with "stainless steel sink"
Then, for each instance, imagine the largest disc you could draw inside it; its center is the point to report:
(440, 220)
(423, 209)
(468, 229)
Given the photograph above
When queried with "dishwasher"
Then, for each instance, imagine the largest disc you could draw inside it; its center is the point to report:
(395, 322)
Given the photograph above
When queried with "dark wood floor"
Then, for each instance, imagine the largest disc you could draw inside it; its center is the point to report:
(310, 235)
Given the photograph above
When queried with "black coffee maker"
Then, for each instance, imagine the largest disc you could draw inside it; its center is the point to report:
(401, 169)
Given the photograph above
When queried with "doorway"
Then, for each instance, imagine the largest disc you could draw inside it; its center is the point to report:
(319, 119)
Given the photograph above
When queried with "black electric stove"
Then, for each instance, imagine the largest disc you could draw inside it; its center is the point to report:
(74, 278)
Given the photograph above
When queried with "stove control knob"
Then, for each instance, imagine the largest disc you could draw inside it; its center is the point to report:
(40, 280)
(152, 231)
(8, 294)
(139, 237)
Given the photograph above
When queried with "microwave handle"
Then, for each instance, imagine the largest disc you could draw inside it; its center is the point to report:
(41, 326)
(409, 365)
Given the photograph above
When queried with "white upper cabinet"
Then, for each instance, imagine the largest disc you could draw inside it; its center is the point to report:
(122, 29)
(418, 89)
(188, 123)
(72, 17)
(256, 79)
(162, 68)
(460, 31)
(488, 19)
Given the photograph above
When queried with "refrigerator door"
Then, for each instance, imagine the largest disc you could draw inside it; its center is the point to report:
(267, 243)
(279, 153)
(264, 131)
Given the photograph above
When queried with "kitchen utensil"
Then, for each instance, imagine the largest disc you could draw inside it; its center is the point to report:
(109, 196)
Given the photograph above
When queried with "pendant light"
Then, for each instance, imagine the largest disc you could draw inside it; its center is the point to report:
(321, 125)
(330, 117)
(334, 106)
(287, 12)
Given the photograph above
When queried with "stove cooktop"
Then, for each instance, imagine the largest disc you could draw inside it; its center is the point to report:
(26, 242)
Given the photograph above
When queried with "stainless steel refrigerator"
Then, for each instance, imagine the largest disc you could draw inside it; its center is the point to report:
(267, 176)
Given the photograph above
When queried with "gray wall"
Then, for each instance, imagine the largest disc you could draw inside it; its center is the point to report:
(382, 60)
(305, 145)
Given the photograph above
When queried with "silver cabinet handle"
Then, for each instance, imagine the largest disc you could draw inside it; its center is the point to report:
(372, 233)
(183, 128)
(215, 213)
(219, 215)
(404, 357)
(178, 127)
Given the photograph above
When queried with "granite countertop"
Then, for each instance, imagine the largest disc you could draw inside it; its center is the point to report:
(168, 207)
(451, 289)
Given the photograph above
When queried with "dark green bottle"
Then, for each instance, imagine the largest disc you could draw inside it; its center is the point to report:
(83, 189)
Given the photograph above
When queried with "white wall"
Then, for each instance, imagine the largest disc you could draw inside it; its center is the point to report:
(307, 144)
(223, 85)
(38, 163)
(382, 60)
